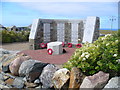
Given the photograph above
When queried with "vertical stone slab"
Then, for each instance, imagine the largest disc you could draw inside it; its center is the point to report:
(74, 32)
(33, 33)
(90, 27)
(46, 32)
(60, 32)
(34, 29)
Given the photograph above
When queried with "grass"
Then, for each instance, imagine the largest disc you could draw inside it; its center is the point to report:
(108, 32)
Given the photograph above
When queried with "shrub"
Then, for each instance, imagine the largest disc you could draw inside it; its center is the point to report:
(11, 36)
(100, 55)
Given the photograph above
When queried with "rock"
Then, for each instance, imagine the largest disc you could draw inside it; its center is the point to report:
(47, 74)
(3, 86)
(113, 83)
(31, 69)
(30, 85)
(24, 79)
(5, 62)
(18, 83)
(2, 82)
(1, 77)
(96, 81)
(25, 67)
(37, 81)
(40, 87)
(76, 78)
(5, 51)
(6, 77)
(9, 75)
(9, 81)
(61, 78)
(15, 64)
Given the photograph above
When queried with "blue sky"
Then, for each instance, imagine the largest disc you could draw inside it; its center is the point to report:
(23, 13)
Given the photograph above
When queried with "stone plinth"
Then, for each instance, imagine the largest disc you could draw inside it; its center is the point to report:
(56, 47)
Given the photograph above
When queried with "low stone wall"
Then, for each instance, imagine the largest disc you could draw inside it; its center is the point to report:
(19, 71)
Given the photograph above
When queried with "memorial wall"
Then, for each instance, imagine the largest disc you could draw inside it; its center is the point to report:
(63, 30)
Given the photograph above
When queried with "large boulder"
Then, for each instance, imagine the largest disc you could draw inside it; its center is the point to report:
(47, 74)
(61, 78)
(31, 69)
(15, 64)
(76, 78)
(96, 81)
(113, 83)
(25, 67)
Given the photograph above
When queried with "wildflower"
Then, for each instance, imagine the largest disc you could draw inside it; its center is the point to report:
(107, 44)
(87, 56)
(86, 53)
(84, 59)
(114, 55)
(116, 40)
(103, 38)
(83, 55)
(118, 60)
(107, 35)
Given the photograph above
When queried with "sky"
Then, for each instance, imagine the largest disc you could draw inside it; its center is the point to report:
(23, 12)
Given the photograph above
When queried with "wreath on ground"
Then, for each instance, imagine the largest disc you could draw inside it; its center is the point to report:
(69, 45)
(50, 51)
(79, 45)
(43, 45)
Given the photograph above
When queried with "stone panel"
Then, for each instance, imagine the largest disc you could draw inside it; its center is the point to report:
(46, 32)
(67, 32)
(74, 32)
(60, 32)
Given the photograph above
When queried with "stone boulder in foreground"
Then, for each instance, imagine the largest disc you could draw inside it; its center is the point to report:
(98, 80)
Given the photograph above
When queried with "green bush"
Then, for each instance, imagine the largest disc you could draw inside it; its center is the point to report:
(11, 36)
(100, 55)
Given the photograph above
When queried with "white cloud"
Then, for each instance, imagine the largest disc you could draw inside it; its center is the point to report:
(57, 8)
(70, 9)
(60, 0)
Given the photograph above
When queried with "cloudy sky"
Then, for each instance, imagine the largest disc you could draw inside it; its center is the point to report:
(22, 12)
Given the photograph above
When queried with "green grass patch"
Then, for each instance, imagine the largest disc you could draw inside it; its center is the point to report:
(108, 32)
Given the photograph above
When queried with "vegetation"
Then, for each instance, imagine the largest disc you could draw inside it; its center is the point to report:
(102, 55)
(108, 32)
(12, 36)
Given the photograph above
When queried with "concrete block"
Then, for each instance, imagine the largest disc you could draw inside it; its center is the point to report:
(56, 47)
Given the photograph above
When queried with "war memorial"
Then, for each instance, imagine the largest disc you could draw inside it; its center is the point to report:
(73, 31)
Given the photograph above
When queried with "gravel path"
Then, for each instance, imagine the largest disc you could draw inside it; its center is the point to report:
(19, 46)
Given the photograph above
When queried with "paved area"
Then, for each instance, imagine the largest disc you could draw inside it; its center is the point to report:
(18, 46)
(43, 56)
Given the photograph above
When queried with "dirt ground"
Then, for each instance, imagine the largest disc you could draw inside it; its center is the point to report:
(19, 46)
